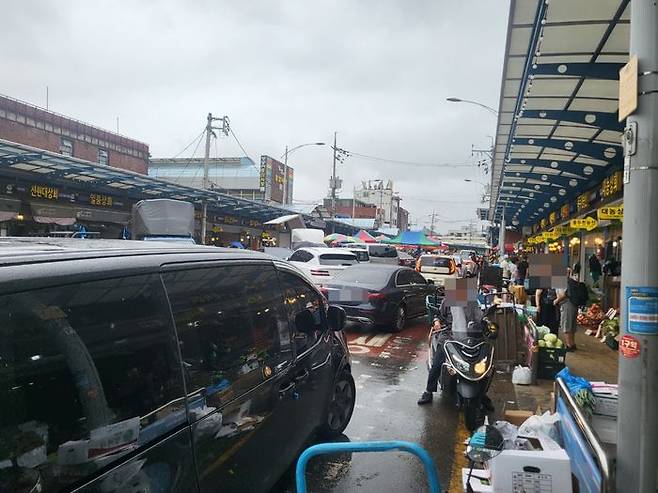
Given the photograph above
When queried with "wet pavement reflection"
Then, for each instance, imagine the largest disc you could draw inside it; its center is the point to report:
(390, 372)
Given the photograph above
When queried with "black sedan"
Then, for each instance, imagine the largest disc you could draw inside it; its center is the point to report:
(379, 295)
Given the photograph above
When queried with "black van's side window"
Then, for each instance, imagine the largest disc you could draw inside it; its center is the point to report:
(232, 328)
(88, 372)
(300, 296)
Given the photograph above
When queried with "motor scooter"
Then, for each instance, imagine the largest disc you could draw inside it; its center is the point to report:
(468, 354)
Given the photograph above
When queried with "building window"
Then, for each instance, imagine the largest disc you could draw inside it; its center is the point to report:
(66, 147)
(103, 156)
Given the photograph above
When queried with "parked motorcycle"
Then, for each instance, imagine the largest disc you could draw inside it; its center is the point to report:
(468, 354)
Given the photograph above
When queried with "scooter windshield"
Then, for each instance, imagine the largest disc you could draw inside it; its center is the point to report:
(465, 321)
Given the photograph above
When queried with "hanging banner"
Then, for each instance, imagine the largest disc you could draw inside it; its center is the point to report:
(587, 223)
(610, 213)
(550, 235)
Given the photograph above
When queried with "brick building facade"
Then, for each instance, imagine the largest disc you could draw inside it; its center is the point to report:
(30, 125)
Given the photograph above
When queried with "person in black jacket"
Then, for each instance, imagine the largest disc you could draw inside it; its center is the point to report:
(595, 268)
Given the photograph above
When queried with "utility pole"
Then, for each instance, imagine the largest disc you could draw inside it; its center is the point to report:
(501, 235)
(637, 448)
(285, 178)
(432, 223)
(353, 203)
(333, 181)
(206, 158)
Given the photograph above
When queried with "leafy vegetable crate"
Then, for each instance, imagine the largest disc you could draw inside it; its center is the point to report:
(551, 361)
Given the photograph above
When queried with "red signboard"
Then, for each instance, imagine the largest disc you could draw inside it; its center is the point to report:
(629, 346)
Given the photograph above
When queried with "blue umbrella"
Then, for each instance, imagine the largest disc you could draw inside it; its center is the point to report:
(237, 244)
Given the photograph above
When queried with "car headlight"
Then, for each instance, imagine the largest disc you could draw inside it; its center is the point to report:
(481, 366)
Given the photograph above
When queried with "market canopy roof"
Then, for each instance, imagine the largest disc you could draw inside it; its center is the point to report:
(18, 160)
(365, 237)
(416, 238)
(557, 131)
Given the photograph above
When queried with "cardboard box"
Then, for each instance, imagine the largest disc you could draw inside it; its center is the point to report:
(606, 405)
(516, 417)
(538, 471)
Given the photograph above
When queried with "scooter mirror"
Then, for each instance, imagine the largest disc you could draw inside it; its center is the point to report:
(485, 444)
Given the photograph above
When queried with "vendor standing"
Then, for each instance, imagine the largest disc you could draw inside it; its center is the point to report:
(547, 312)
(568, 309)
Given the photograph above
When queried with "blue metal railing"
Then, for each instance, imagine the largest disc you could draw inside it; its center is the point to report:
(387, 446)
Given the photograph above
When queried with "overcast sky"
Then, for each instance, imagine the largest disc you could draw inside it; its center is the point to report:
(286, 73)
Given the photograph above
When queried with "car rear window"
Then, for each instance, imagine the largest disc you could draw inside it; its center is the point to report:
(365, 275)
(383, 251)
(434, 262)
(337, 259)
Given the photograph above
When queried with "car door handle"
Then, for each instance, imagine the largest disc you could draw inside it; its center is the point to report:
(302, 376)
(324, 363)
(283, 391)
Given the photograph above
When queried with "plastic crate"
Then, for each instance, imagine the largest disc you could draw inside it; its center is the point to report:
(550, 362)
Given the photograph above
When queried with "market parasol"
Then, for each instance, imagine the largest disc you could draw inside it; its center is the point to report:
(365, 237)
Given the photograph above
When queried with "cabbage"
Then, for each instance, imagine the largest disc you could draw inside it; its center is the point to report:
(559, 343)
(550, 344)
(550, 338)
(541, 343)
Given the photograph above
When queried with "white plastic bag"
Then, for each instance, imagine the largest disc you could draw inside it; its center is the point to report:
(540, 426)
(522, 375)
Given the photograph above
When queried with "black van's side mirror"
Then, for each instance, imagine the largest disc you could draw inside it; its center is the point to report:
(336, 317)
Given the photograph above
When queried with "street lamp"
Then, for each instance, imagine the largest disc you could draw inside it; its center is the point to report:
(488, 108)
(284, 156)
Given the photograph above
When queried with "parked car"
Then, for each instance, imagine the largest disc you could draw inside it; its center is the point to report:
(321, 264)
(438, 268)
(378, 253)
(379, 295)
(406, 260)
(145, 366)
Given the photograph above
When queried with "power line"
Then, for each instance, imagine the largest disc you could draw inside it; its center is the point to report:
(199, 139)
(412, 163)
(190, 144)
(242, 147)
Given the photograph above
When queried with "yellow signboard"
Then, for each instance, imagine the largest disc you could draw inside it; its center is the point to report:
(611, 213)
(552, 218)
(44, 192)
(582, 202)
(588, 223)
(612, 184)
(550, 235)
(563, 230)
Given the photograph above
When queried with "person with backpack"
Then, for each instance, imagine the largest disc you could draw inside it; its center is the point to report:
(569, 300)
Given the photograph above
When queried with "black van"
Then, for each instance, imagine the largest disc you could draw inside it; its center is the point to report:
(151, 367)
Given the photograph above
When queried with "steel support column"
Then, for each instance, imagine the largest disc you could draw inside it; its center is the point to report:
(637, 449)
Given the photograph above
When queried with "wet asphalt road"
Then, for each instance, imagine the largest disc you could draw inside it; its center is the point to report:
(390, 372)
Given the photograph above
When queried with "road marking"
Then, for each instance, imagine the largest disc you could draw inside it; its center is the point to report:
(460, 460)
(360, 341)
(358, 349)
(379, 340)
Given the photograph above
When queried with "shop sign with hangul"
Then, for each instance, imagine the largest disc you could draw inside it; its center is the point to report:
(565, 211)
(552, 218)
(610, 213)
(44, 192)
(587, 223)
(100, 200)
(582, 202)
(563, 230)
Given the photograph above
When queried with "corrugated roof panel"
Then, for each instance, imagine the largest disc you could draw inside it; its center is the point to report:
(576, 38)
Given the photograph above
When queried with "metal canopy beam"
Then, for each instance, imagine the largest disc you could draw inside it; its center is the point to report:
(598, 119)
(608, 152)
(602, 70)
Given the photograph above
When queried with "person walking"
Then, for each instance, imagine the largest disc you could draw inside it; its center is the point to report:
(595, 269)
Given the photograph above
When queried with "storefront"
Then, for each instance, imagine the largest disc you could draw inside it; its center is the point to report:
(227, 231)
(36, 209)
